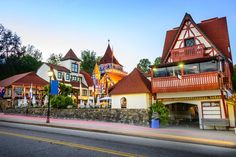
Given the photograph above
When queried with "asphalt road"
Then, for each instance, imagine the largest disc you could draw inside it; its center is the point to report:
(18, 140)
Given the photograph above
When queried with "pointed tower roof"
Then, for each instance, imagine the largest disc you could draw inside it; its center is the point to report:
(135, 82)
(109, 57)
(71, 55)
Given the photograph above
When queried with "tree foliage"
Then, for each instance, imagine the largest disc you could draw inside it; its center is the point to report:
(15, 58)
(32, 51)
(88, 61)
(144, 64)
(54, 58)
(10, 43)
(157, 61)
(234, 79)
(162, 111)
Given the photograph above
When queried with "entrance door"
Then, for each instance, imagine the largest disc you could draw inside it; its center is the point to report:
(184, 114)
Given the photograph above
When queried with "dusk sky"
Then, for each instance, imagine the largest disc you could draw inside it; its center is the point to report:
(136, 28)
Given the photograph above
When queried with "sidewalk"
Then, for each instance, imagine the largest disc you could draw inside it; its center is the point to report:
(190, 135)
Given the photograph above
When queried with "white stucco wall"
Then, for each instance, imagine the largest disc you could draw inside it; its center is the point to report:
(42, 72)
(134, 101)
(67, 64)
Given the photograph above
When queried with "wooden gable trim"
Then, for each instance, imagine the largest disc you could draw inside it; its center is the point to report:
(188, 17)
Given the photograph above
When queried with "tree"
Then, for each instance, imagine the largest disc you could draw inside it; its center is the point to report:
(10, 43)
(157, 61)
(88, 61)
(54, 58)
(144, 65)
(234, 79)
(14, 58)
(32, 51)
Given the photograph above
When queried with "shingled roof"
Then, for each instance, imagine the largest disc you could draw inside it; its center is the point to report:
(23, 79)
(87, 77)
(58, 67)
(135, 82)
(71, 55)
(109, 57)
(214, 29)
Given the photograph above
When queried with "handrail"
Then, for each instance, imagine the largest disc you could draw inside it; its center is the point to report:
(190, 82)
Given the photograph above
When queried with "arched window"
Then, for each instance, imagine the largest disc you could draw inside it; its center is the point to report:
(123, 102)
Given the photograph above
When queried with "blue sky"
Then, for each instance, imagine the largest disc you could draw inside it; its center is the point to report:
(136, 28)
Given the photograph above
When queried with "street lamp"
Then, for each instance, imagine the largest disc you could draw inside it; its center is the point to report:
(50, 73)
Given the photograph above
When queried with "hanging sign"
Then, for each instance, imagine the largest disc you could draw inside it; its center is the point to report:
(54, 87)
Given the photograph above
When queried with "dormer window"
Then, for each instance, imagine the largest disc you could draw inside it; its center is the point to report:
(74, 67)
(189, 42)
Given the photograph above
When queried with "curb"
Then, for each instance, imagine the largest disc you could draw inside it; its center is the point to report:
(174, 138)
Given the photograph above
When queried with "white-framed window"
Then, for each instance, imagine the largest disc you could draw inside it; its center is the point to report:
(74, 67)
(67, 76)
(59, 75)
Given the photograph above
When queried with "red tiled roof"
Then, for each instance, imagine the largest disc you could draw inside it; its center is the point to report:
(88, 78)
(109, 57)
(71, 55)
(58, 67)
(215, 30)
(135, 82)
(24, 79)
(170, 36)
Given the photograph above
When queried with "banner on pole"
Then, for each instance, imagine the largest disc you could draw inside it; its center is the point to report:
(54, 87)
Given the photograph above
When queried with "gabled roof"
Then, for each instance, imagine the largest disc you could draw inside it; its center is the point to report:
(135, 82)
(214, 29)
(109, 57)
(24, 79)
(71, 55)
(58, 67)
(88, 78)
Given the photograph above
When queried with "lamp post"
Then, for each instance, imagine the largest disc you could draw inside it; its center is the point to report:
(50, 73)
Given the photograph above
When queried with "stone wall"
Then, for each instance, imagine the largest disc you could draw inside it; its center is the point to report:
(128, 116)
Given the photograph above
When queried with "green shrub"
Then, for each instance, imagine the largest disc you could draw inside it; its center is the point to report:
(69, 102)
(58, 101)
(162, 111)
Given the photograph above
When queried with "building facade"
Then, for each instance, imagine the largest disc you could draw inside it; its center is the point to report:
(194, 79)
(132, 92)
(107, 72)
(68, 72)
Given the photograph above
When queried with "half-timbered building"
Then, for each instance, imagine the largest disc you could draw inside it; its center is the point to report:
(194, 79)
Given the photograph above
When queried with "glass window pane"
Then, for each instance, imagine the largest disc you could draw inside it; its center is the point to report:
(160, 72)
(173, 71)
(208, 66)
(191, 68)
(189, 42)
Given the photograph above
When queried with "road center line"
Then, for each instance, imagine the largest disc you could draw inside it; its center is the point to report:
(73, 145)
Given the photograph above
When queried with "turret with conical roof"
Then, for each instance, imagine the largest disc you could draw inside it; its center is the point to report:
(110, 71)
(109, 57)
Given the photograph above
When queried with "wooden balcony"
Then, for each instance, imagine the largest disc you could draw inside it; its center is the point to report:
(186, 53)
(192, 82)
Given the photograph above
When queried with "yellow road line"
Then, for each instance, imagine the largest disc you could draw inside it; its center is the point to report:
(74, 145)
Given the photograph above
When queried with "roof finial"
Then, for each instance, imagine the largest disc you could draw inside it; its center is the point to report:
(108, 41)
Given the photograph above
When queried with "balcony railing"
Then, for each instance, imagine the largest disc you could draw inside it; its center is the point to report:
(186, 53)
(192, 82)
